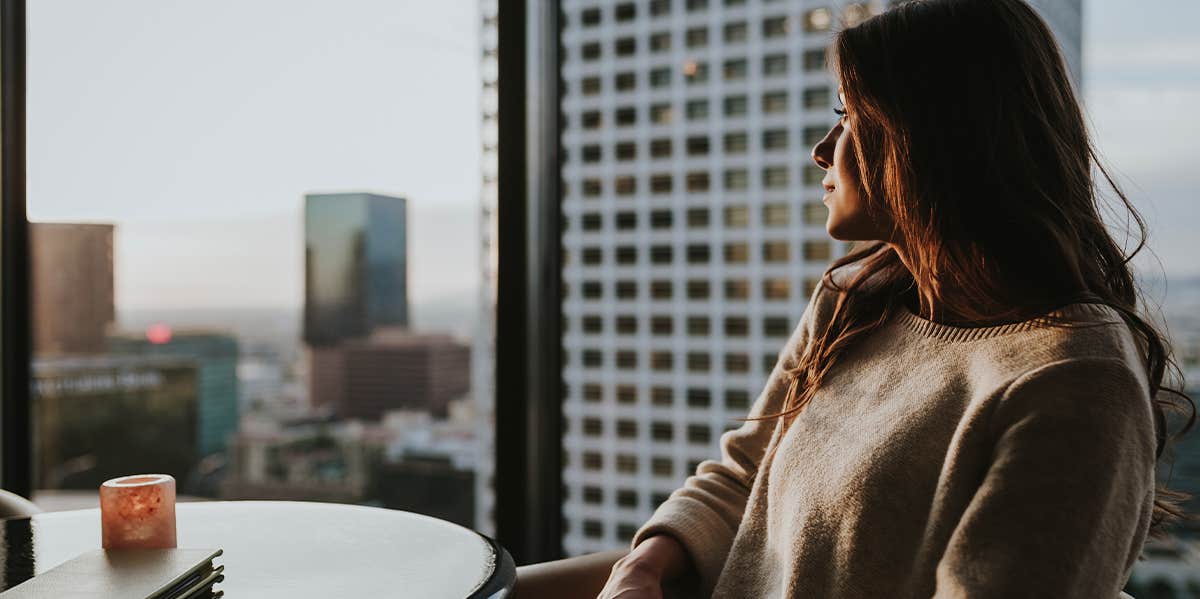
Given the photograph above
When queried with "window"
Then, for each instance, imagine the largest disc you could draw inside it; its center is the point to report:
(699, 398)
(592, 188)
(591, 221)
(775, 64)
(699, 434)
(627, 254)
(592, 358)
(698, 326)
(818, 250)
(626, 289)
(814, 60)
(775, 251)
(698, 362)
(660, 41)
(697, 289)
(776, 215)
(697, 218)
(627, 498)
(737, 217)
(776, 326)
(735, 106)
(660, 148)
(695, 72)
(593, 529)
(737, 363)
(591, 119)
(697, 254)
(660, 254)
(736, 180)
(626, 221)
(697, 110)
(735, 70)
(816, 97)
(697, 37)
(662, 396)
(737, 289)
(737, 326)
(737, 399)
(775, 177)
(625, 150)
(697, 181)
(626, 46)
(591, 153)
(593, 255)
(626, 360)
(776, 289)
(662, 467)
(810, 285)
(813, 135)
(593, 427)
(590, 51)
(593, 392)
(625, 185)
(660, 8)
(697, 5)
(662, 360)
(626, 394)
(625, 81)
(660, 113)
(775, 27)
(736, 253)
(660, 77)
(660, 219)
(661, 290)
(818, 19)
(775, 102)
(625, 12)
(625, 116)
(661, 431)
(662, 325)
(660, 184)
(813, 175)
(735, 143)
(592, 290)
(626, 325)
(593, 495)
(626, 463)
(775, 139)
(697, 146)
(735, 32)
(590, 17)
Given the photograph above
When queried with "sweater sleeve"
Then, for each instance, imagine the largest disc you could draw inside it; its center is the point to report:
(704, 514)
(1064, 507)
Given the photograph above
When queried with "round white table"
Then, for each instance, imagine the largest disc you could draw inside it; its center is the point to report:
(293, 550)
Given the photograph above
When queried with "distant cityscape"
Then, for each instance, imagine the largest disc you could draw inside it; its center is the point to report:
(692, 234)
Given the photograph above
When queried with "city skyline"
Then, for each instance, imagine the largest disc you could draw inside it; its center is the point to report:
(1143, 78)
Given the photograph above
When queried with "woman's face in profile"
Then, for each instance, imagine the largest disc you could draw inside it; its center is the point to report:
(848, 218)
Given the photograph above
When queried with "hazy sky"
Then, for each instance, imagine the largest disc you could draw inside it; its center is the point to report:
(198, 126)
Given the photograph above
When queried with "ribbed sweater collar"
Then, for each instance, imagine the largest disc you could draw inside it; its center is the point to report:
(1078, 312)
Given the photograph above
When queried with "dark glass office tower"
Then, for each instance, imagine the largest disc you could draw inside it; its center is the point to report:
(356, 265)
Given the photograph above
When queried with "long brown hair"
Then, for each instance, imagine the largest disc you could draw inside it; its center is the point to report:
(968, 135)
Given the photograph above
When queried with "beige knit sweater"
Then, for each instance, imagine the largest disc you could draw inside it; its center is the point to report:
(1013, 461)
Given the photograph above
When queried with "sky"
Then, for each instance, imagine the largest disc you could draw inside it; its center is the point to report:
(197, 127)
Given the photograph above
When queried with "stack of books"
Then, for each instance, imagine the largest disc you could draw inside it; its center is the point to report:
(129, 574)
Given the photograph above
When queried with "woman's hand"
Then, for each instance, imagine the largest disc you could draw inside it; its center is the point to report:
(641, 573)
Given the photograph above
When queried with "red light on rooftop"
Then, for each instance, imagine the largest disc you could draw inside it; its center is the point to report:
(158, 334)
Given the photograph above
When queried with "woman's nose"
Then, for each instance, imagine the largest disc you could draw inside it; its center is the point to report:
(822, 153)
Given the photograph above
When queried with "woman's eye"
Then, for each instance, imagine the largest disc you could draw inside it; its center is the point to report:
(839, 112)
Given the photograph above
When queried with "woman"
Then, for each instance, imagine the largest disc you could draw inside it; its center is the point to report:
(970, 406)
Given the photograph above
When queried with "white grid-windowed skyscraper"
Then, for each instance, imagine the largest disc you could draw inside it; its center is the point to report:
(694, 229)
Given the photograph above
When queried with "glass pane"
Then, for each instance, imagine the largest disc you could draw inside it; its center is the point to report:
(263, 249)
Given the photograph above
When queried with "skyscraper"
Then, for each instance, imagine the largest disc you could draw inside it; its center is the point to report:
(694, 229)
(356, 265)
(72, 279)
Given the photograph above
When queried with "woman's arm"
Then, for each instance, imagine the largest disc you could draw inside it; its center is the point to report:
(656, 561)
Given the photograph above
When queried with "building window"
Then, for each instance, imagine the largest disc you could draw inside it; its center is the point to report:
(735, 32)
(627, 498)
(775, 102)
(699, 398)
(818, 250)
(697, 109)
(593, 529)
(593, 324)
(660, 77)
(626, 394)
(626, 463)
(662, 396)
(737, 363)
(818, 19)
(593, 358)
(593, 255)
(735, 70)
(625, 150)
(697, 37)
(816, 97)
(813, 174)
(768, 362)
(627, 254)
(660, 114)
(814, 60)
(698, 326)
(775, 251)
(590, 221)
(593, 393)
(626, 429)
(737, 217)
(775, 139)
(736, 253)
(659, 8)
(813, 135)
(661, 290)
(625, 185)
(810, 285)
(625, 81)
(625, 12)
(697, 218)
(590, 17)
(591, 153)
(590, 51)
(697, 5)
(775, 177)
(660, 148)
(699, 434)
(626, 221)
(697, 146)
(775, 27)
(626, 325)
(737, 289)
(626, 46)
(695, 72)
(660, 42)
(662, 467)
(698, 362)
(737, 399)
(697, 289)
(660, 219)
(592, 290)
(627, 289)
(736, 180)
(660, 184)
(735, 106)
(776, 326)
(774, 65)
(593, 495)
(776, 215)
(662, 431)
(735, 143)
(593, 460)
(662, 325)
(661, 254)
(697, 254)
(737, 326)
(591, 119)
(592, 188)
(627, 360)
(697, 181)
(662, 360)
(625, 116)
(776, 288)
(593, 427)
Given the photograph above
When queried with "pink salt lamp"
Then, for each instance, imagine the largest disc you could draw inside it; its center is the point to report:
(138, 512)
